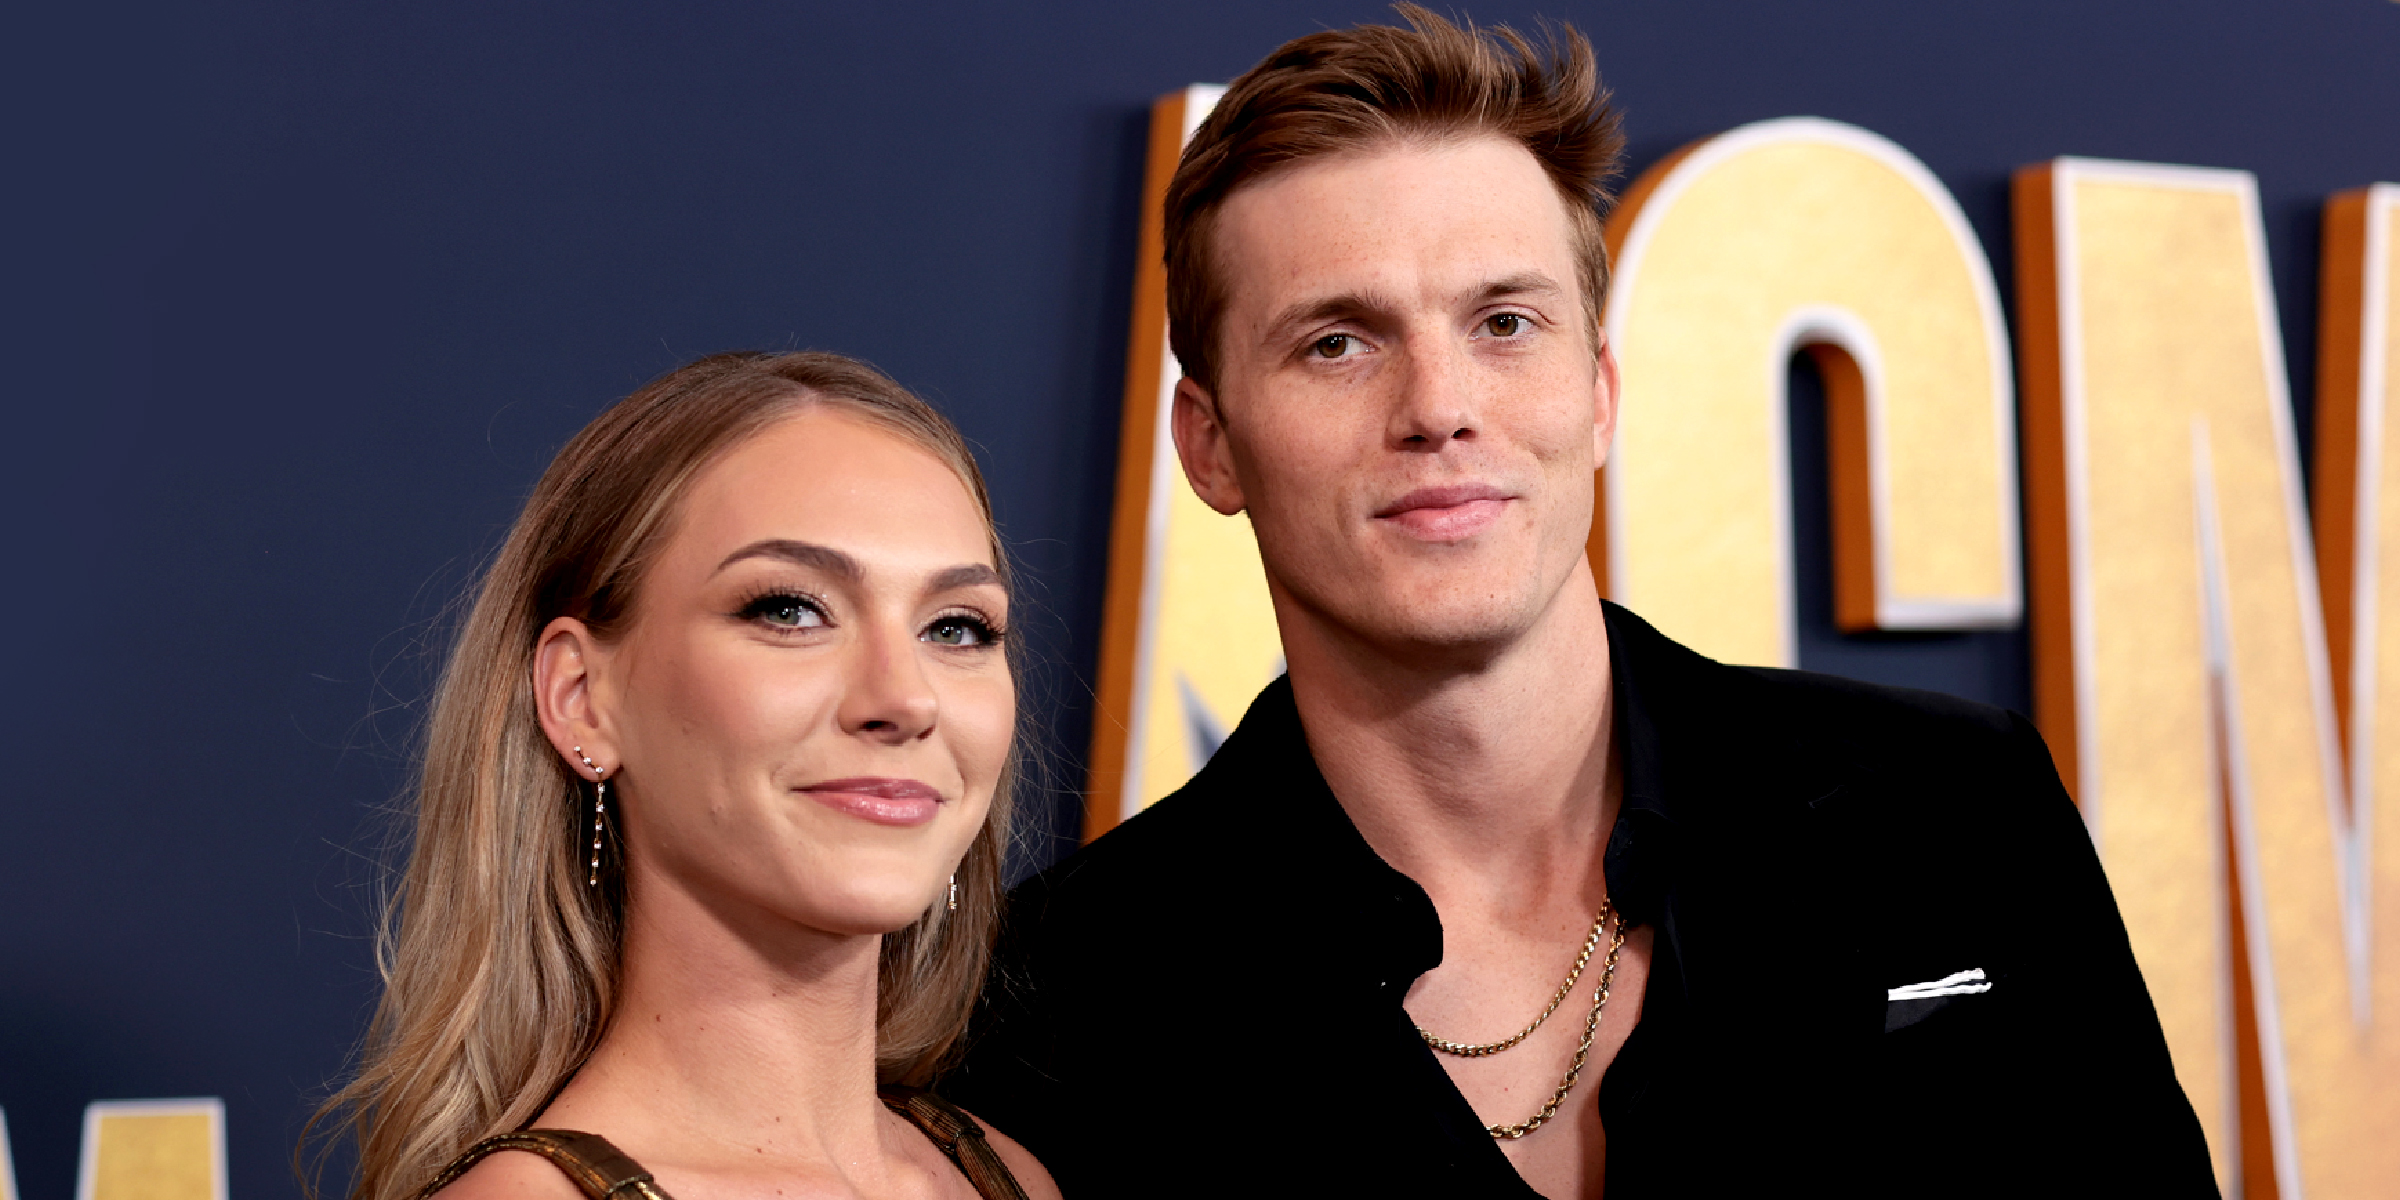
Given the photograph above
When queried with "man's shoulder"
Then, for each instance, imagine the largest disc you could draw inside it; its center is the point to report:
(1177, 855)
(1194, 860)
(1875, 715)
(1683, 685)
(1159, 853)
(1750, 741)
(1909, 787)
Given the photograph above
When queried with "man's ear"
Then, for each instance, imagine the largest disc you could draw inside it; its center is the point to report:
(1200, 442)
(1604, 402)
(567, 664)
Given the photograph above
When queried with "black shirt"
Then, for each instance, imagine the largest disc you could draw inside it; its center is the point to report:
(1208, 999)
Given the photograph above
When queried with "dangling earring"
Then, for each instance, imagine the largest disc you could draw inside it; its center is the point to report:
(953, 893)
(599, 807)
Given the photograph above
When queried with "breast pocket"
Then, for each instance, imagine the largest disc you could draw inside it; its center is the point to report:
(1909, 1003)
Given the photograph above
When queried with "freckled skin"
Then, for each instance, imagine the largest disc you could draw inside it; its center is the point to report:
(1434, 380)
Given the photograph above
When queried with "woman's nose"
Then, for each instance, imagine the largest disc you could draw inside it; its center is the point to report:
(889, 699)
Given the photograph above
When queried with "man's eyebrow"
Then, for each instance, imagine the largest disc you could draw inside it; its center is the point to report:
(1347, 304)
(1309, 312)
(971, 575)
(802, 554)
(1521, 284)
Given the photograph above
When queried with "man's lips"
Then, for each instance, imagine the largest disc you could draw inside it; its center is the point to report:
(1446, 513)
(883, 801)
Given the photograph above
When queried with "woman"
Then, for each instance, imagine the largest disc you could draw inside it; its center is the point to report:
(708, 842)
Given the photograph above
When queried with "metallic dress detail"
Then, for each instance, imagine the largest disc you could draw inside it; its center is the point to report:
(607, 1173)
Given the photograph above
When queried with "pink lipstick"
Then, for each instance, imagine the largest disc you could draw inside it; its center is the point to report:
(883, 801)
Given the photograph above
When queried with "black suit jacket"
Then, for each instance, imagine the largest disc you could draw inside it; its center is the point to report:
(1208, 999)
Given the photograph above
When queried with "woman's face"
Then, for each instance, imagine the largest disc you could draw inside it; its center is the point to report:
(810, 704)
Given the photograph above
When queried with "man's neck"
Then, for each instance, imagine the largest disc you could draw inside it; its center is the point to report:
(1486, 779)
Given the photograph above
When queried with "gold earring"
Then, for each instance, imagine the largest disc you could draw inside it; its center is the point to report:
(954, 892)
(599, 808)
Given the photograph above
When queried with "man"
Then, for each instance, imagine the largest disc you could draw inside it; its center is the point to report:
(1760, 930)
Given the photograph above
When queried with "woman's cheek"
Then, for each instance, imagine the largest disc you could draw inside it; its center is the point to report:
(987, 722)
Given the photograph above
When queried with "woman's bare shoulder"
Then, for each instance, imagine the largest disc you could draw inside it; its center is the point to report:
(1021, 1163)
(513, 1175)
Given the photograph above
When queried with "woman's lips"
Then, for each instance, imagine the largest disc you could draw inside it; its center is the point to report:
(883, 801)
(1446, 514)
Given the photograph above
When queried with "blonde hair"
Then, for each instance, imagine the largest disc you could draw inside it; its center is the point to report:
(499, 963)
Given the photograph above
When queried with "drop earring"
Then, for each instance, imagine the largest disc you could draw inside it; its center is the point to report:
(954, 893)
(599, 808)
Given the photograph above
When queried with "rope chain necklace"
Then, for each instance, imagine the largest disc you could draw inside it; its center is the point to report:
(1480, 1049)
(1583, 1049)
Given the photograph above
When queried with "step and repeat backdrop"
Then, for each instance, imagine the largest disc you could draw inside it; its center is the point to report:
(2050, 357)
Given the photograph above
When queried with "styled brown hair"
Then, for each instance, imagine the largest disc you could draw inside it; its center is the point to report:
(1344, 91)
(499, 964)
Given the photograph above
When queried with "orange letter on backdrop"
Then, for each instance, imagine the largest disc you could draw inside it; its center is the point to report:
(2181, 665)
(1187, 633)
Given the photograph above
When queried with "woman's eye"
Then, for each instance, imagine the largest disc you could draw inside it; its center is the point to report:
(1506, 324)
(1333, 345)
(785, 612)
(960, 631)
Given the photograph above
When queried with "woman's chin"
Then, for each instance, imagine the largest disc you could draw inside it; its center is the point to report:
(865, 912)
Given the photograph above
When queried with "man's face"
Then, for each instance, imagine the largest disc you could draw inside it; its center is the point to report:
(1408, 403)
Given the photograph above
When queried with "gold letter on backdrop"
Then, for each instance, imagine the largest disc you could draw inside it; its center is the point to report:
(1187, 632)
(153, 1150)
(2181, 666)
(8, 1171)
(1730, 256)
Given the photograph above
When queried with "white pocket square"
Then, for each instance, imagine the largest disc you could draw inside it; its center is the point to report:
(1963, 983)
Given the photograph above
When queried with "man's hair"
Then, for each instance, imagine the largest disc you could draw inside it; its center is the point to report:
(1352, 90)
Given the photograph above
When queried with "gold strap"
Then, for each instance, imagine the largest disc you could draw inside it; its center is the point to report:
(600, 1169)
(957, 1136)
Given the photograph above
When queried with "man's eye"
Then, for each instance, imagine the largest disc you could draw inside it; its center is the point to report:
(785, 612)
(1333, 345)
(960, 631)
(1506, 324)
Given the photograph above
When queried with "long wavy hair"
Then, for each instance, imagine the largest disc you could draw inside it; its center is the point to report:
(499, 963)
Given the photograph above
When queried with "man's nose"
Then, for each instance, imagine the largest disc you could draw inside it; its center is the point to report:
(888, 698)
(1435, 404)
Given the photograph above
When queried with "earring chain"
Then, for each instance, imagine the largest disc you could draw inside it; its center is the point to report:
(599, 810)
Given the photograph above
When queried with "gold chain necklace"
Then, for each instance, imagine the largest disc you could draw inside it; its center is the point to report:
(1480, 1049)
(1583, 1049)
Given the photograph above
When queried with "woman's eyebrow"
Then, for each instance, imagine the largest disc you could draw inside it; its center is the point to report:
(835, 562)
(803, 554)
(971, 575)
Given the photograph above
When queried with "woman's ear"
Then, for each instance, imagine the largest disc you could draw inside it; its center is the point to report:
(566, 663)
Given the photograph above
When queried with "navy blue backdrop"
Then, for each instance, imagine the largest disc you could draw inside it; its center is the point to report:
(301, 296)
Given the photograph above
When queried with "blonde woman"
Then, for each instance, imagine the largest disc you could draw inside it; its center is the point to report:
(708, 842)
